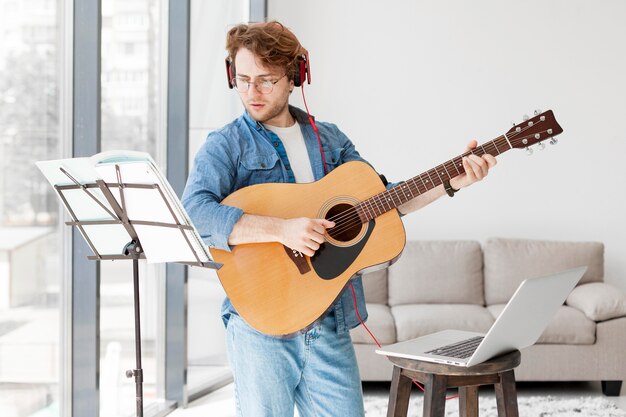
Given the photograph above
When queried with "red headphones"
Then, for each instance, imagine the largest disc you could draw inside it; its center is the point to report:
(303, 72)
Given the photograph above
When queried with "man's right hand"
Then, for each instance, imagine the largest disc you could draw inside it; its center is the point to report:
(303, 234)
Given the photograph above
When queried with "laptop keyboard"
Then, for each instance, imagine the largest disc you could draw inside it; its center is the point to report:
(463, 349)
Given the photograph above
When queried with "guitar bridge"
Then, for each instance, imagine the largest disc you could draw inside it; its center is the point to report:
(298, 259)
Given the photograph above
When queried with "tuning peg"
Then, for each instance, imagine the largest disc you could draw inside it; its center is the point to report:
(537, 112)
(529, 151)
(541, 146)
(525, 118)
(553, 141)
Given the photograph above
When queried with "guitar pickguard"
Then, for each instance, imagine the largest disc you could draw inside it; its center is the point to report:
(330, 261)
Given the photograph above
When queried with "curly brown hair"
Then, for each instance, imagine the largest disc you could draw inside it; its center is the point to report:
(274, 44)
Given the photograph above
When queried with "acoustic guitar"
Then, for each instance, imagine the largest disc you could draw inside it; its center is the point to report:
(279, 291)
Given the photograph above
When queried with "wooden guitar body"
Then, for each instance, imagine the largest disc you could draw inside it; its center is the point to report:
(279, 292)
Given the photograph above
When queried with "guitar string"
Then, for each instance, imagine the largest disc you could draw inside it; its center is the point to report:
(377, 199)
(352, 217)
(352, 213)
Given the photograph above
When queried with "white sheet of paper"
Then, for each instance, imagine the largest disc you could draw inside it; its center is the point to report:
(108, 239)
(160, 244)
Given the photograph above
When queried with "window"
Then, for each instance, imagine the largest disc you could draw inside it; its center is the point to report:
(31, 249)
(130, 119)
(211, 105)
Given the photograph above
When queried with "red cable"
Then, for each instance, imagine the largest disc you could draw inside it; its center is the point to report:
(356, 308)
(319, 139)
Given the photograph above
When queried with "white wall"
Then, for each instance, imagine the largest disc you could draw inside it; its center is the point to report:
(412, 81)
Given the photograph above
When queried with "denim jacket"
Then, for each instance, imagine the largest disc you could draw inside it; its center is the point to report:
(244, 153)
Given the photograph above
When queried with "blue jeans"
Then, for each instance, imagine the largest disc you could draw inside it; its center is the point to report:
(316, 371)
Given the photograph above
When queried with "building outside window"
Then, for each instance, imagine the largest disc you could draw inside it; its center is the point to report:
(131, 116)
(31, 246)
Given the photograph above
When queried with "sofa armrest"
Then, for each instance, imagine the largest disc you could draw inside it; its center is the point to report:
(598, 300)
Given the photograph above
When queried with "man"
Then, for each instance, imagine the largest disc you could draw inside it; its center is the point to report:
(275, 142)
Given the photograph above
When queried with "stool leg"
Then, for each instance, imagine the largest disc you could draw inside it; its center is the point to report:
(506, 395)
(435, 395)
(399, 394)
(468, 401)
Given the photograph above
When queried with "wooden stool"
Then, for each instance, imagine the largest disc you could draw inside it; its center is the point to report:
(437, 378)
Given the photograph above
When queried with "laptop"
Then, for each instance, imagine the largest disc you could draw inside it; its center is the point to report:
(520, 324)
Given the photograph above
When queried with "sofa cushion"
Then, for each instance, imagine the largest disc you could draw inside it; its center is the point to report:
(381, 324)
(569, 326)
(598, 300)
(375, 286)
(510, 261)
(416, 320)
(437, 272)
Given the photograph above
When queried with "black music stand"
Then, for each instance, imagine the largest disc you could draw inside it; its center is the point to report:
(115, 212)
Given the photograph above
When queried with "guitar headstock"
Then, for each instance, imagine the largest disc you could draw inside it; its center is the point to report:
(534, 130)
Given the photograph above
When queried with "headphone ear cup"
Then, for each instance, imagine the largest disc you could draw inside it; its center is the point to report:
(301, 73)
(230, 72)
(297, 77)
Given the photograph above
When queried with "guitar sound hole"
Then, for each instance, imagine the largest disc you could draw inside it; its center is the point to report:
(347, 222)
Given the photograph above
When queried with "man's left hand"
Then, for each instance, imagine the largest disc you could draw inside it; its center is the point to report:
(476, 168)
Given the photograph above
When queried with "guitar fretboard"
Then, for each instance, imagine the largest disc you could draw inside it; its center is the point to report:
(426, 181)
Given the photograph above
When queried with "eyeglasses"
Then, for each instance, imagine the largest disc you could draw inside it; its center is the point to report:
(262, 86)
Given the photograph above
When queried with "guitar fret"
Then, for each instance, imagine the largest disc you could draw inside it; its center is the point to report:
(372, 207)
(495, 145)
(508, 141)
(368, 206)
(387, 198)
(409, 190)
(423, 183)
(447, 173)
(386, 201)
(436, 172)
(431, 180)
(363, 205)
(502, 143)
(368, 216)
(406, 192)
(359, 213)
(397, 197)
(377, 206)
(455, 167)
(381, 200)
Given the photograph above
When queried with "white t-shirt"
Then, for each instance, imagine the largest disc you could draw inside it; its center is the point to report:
(293, 141)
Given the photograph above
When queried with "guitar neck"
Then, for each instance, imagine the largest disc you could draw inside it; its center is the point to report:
(426, 181)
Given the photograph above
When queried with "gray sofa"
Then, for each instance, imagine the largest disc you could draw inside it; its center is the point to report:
(437, 285)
